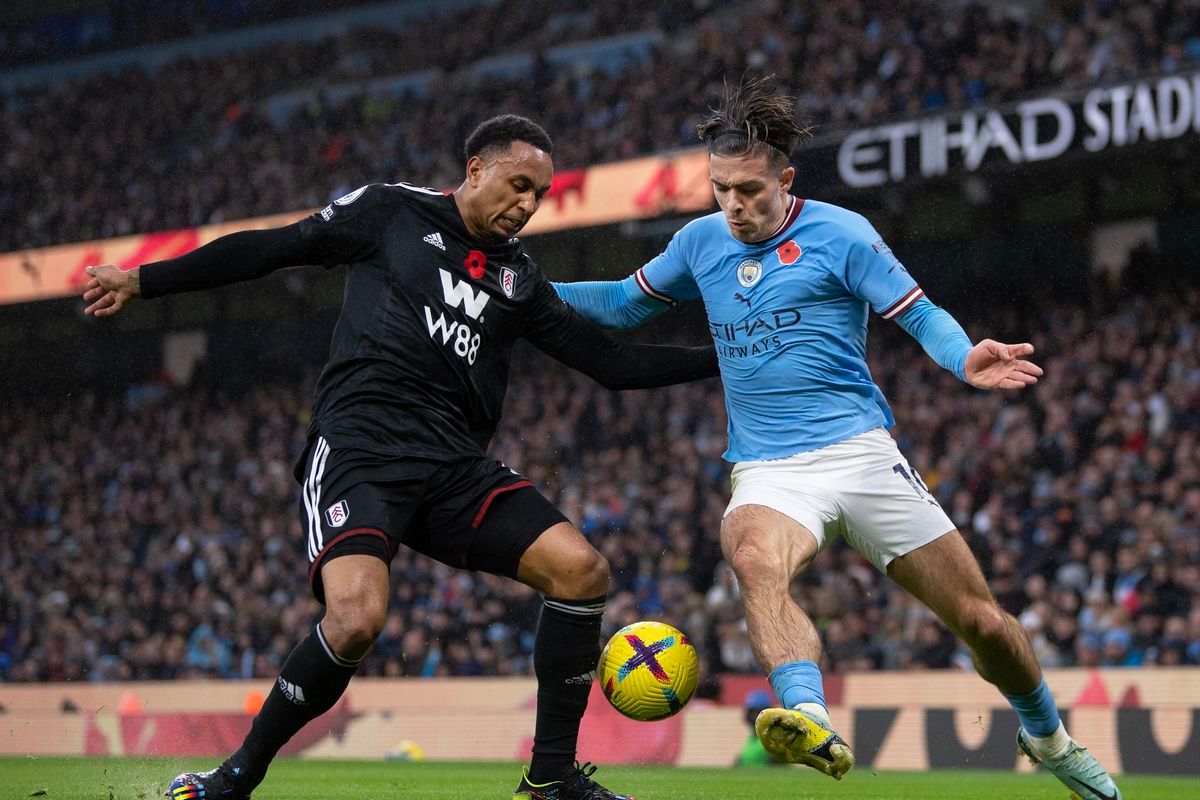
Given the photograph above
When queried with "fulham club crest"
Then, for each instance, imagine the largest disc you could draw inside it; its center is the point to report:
(508, 282)
(337, 513)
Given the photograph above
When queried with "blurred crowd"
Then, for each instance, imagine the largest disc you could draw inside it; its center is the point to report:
(193, 142)
(138, 23)
(64, 33)
(157, 535)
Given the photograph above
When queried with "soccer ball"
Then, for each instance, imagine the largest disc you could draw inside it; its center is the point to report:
(649, 671)
(406, 750)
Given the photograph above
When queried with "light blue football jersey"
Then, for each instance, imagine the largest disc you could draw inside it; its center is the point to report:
(788, 316)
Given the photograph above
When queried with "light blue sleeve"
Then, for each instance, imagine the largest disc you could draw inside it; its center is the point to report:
(939, 334)
(610, 304)
(872, 271)
(654, 288)
(668, 276)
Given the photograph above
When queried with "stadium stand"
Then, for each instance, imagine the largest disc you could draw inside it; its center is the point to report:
(296, 124)
(164, 542)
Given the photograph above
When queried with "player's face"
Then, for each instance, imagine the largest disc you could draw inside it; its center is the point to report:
(751, 193)
(508, 188)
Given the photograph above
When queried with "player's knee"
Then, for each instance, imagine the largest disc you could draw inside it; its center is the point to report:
(353, 621)
(578, 575)
(591, 576)
(599, 576)
(757, 567)
(985, 623)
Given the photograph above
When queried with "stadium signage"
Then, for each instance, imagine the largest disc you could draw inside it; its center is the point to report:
(1138, 720)
(603, 194)
(1040, 129)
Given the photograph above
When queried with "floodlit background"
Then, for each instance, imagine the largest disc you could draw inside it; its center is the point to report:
(1036, 165)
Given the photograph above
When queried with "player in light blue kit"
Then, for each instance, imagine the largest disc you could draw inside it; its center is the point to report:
(787, 284)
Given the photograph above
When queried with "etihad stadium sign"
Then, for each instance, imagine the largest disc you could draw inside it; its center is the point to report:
(1039, 129)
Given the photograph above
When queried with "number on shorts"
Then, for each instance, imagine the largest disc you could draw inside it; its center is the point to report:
(918, 485)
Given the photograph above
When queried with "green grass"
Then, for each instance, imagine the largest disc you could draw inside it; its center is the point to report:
(144, 779)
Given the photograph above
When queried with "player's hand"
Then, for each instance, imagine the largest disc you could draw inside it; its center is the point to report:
(109, 289)
(993, 365)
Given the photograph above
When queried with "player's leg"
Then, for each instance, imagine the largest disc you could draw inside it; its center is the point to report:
(315, 674)
(345, 516)
(573, 579)
(504, 526)
(318, 670)
(945, 576)
(767, 548)
(893, 519)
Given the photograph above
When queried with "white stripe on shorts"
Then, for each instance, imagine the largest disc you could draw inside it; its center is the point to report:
(307, 495)
(317, 499)
(312, 498)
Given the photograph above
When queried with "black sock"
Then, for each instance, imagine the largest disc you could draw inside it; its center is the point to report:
(311, 681)
(565, 653)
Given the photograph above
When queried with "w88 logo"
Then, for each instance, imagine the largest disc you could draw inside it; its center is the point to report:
(465, 341)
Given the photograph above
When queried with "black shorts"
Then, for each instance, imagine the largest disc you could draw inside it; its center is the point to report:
(474, 514)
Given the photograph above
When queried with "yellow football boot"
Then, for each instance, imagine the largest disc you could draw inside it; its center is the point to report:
(796, 738)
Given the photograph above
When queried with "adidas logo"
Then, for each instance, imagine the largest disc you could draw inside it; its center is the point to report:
(584, 679)
(435, 239)
(292, 692)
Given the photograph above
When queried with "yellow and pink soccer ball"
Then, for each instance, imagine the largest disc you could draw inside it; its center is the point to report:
(649, 671)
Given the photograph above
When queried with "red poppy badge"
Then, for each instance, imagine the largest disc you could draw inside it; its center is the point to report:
(475, 263)
(788, 252)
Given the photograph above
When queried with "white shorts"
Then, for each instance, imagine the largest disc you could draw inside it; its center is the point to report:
(861, 488)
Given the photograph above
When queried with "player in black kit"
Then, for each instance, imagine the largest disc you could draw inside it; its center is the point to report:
(437, 292)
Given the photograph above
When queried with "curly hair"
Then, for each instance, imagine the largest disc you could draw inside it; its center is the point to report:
(502, 131)
(753, 118)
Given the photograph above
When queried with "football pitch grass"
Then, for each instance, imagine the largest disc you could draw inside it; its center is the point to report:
(143, 779)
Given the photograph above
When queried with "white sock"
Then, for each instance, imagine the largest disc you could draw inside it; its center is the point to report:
(1053, 746)
(816, 711)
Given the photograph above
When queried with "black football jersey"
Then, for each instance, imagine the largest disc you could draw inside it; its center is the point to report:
(419, 360)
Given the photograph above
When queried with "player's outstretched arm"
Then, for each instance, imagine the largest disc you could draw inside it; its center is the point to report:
(109, 289)
(579, 344)
(987, 365)
(939, 334)
(616, 305)
(236, 257)
(994, 365)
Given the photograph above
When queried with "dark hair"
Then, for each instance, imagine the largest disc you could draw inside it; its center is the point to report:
(502, 131)
(753, 118)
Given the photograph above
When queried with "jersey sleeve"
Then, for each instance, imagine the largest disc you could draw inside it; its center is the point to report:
(568, 337)
(344, 232)
(548, 315)
(611, 304)
(350, 228)
(939, 333)
(667, 277)
(874, 274)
